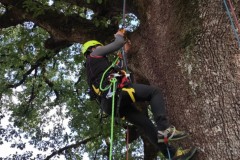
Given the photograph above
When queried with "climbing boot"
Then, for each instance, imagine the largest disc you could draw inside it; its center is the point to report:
(170, 134)
(184, 154)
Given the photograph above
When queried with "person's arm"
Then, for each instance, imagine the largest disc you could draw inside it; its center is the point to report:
(114, 46)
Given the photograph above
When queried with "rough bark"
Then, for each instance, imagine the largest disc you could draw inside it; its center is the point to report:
(188, 50)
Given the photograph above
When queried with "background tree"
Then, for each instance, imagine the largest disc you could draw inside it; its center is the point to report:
(184, 47)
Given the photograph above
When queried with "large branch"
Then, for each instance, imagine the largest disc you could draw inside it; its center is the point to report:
(76, 145)
(63, 29)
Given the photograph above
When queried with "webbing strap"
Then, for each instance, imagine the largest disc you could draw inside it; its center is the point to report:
(130, 92)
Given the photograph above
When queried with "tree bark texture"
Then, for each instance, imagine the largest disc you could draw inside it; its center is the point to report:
(188, 49)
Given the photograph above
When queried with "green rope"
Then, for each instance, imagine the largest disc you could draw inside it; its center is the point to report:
(113, 85)
(103, 76)
(113, 82)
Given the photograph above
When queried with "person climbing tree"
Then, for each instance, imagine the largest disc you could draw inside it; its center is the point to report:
(99, 74)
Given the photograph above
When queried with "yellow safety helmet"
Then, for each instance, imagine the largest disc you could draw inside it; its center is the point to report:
(88, 44)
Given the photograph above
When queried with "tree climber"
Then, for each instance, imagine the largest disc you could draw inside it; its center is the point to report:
(97, 63)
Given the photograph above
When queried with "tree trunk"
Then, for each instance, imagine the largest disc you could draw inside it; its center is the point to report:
(188, 49)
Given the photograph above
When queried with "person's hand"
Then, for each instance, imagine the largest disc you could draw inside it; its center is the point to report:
(121, 32)
(127, 46)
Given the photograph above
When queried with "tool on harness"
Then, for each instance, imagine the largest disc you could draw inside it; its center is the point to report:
(122, 77)
(122, 80)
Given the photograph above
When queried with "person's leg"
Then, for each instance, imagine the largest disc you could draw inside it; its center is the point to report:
(156, 101)
(140, 120)
(143, 92)
(134, 116)
(106, 105)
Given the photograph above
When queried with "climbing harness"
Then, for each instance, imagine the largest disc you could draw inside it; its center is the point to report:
(104, 76)
(231, 20)
(112, 87)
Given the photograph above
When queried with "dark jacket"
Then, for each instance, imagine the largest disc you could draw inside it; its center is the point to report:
(97, 62)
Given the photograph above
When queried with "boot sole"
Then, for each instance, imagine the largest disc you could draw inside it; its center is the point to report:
(192, 151)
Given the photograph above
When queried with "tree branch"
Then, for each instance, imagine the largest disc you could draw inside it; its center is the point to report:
(33, 67)
(76, 145)
(49, 83)
(63, 29)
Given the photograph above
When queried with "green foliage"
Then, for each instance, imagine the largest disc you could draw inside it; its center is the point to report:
(43, 94)
(33, 7)
(41, 88)
(21, 49)
(94, 1)
(2, 9)
(68, 9)
(39, 7)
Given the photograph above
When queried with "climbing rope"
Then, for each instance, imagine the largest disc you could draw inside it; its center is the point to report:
(104, 74)
(234, 15)
(124, 10)
(113, 81)
(124, 30)
(127, 144)
(169, 155)
(232, 23)
(113, 89)
(112, 86)
(126, 68)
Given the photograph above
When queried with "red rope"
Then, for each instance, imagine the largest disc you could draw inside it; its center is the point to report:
(127, 141)
(234, 15)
